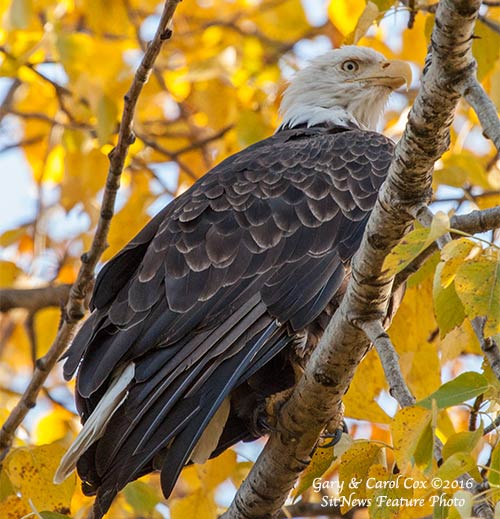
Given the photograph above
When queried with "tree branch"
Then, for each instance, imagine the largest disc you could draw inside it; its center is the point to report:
(390, 362)
(488, 345)
(75, 308)
(408, 185)
(471, 223)
(478, 99)
(34, 299)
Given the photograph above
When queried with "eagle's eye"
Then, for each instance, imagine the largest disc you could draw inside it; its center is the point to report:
(350, 66)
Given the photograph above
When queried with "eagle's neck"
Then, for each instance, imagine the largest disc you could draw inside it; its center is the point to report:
(317, 115)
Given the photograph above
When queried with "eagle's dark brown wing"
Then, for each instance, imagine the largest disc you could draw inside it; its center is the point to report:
(213, 288)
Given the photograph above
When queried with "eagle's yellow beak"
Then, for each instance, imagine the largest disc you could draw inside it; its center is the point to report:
(392, 74)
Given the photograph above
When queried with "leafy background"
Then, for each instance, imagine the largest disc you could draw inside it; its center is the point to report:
(65, 66)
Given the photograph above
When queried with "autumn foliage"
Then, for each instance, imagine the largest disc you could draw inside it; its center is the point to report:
(215, 89)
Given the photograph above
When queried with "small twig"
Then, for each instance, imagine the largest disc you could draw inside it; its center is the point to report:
(75, 308)
(171, 155)
(30, 332)
(25, 142)
(474, 412)
(390, 362)
(493, 425)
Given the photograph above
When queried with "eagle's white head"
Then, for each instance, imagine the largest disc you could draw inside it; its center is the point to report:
(344, 86)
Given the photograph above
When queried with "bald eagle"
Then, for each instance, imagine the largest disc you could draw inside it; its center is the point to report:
(213, 308)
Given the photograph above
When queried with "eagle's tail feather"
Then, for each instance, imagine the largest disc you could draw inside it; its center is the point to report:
(95, 425)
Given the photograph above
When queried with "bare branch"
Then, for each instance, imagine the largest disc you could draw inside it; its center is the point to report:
(477, 221)
(390, 362)
(33, 299)
(475, 95)
(75, 308)
(343, 345)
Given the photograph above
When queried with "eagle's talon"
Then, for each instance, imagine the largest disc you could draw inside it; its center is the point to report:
(334, 436)
(265, 416)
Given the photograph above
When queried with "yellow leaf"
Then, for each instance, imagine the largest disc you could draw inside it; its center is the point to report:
(486, 49)
(478, 286)
(414, 243)
(365, 21)
(85, 169)
(54, 167)
(416, 40)
(407, 428)
(453, 255)
(215, 471)
(11, 236)
(241, 472)
(356, 464)
(368, 382)
(132, 217)
(460, 340)
(14, 508)
(459, 169)
(31, 470)
(200, 505)
(321, 460)
(8, 273)
(411, 330)
(46, 325)
(344, 14)
(53, 426)
(283, 21)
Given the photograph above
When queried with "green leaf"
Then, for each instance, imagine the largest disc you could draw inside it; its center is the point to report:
(463, 441)
(440, 511)
(141, 497)
(478, 286)
(423, 454)
(467, 498)
(448, 308)
(53, 515)
(414, 243)
(427, 269)
(464, 387)
(494, 472)
(456, 465)
(407, 428)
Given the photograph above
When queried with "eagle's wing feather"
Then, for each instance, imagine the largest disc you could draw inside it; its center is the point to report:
(214, 287)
